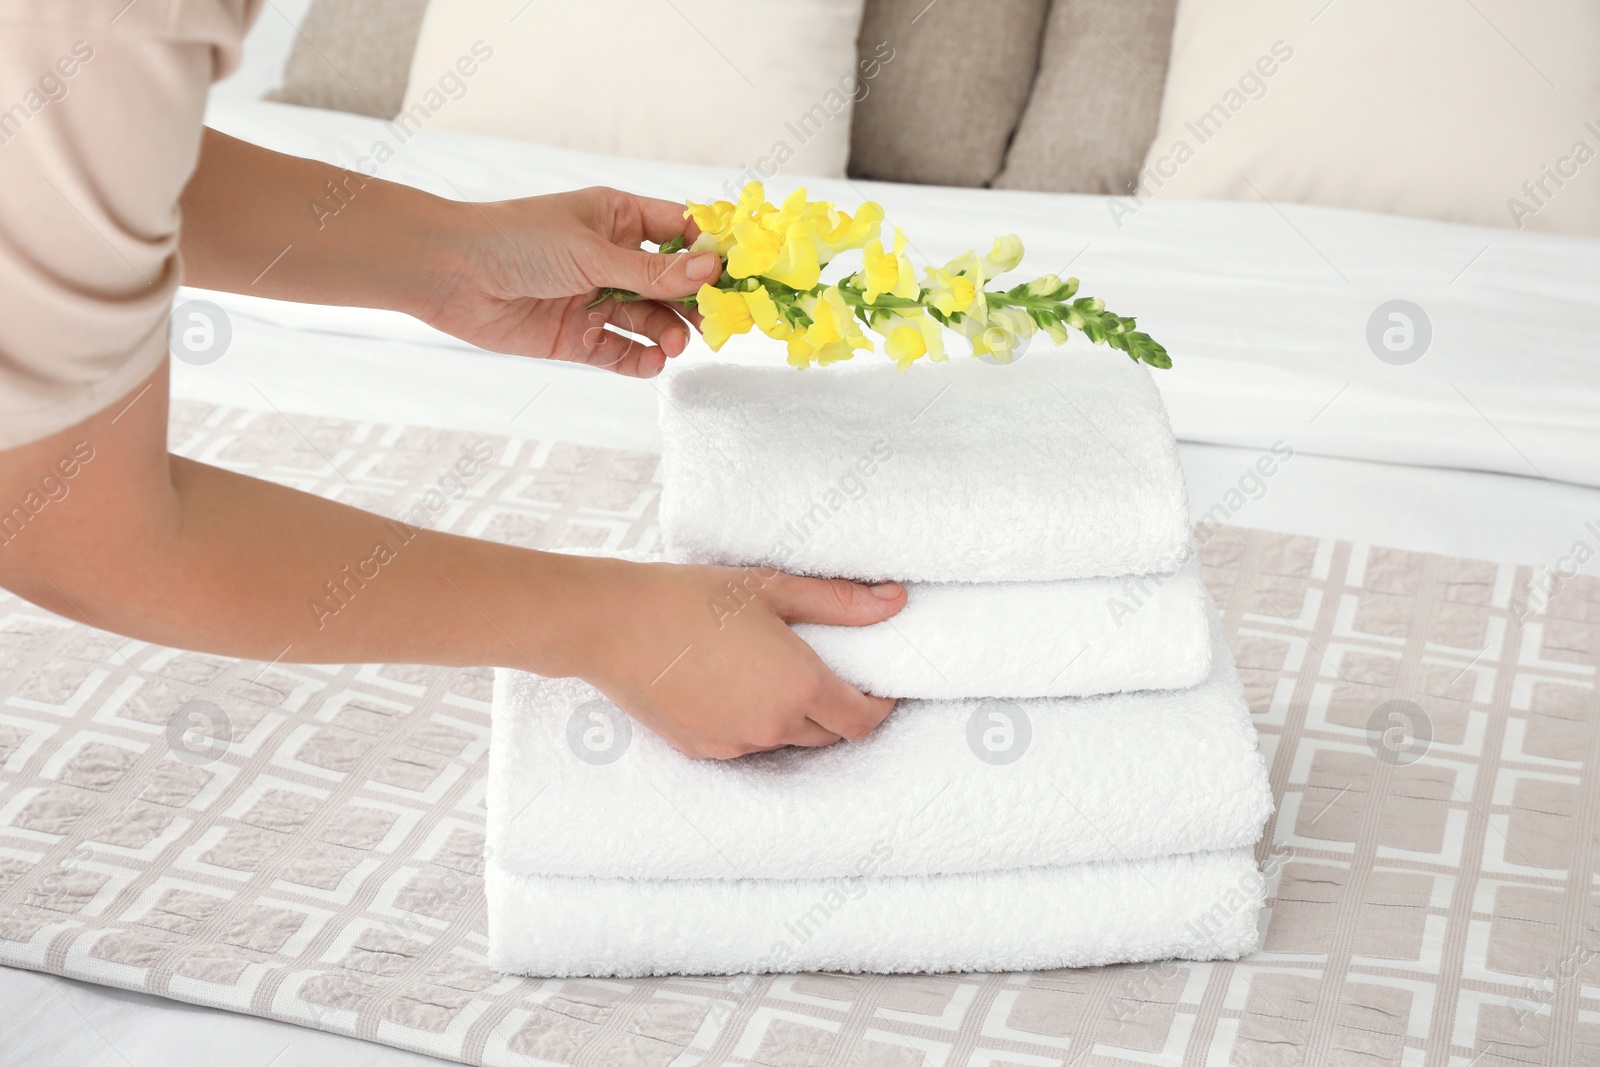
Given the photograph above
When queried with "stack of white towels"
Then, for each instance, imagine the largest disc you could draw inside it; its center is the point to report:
(1070, 778)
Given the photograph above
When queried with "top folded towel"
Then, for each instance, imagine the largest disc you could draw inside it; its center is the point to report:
(1062, 465)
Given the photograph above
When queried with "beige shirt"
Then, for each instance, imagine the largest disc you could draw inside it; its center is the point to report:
(101, 104)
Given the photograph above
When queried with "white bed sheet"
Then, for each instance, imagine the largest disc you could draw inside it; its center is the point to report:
(1263, 306)
(413, 378)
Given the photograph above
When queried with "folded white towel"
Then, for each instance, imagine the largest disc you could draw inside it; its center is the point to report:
(950, 786)
(1061, 465)
(1197, 907)
(1029, 639)
(1080, 637)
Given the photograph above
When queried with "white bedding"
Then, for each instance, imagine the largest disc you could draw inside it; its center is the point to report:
(1264, 308)
(1269, 343)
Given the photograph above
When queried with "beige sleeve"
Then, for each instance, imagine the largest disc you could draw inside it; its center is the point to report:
(99, 132)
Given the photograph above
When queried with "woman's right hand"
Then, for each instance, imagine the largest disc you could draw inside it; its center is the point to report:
(704, 656)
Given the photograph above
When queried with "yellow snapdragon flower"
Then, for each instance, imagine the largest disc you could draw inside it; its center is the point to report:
(723, 315)
(774, 256)
(726, 313)
(888, 272)
(833, 335)
(790, 244)
(780, 244)
(908, 335)
(851, 232)
(1001, 335)
(949, 292)
(717, 220)
(765, 315)
(1005, 256)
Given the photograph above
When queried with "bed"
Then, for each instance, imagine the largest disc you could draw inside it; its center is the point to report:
(1484, 448)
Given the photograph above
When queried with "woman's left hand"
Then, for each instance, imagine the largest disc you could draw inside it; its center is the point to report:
(520, 276)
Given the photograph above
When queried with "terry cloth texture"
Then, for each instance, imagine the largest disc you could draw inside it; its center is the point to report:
(949, 786)
(1199, 907)
(1060, 466)
(1029, 639)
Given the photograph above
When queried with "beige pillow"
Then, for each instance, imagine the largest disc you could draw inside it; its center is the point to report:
(954, 77)
(765, 88)
(1097, 98)
(352, 55)
(1485, 111)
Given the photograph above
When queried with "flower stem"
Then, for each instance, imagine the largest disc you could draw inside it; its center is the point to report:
(1050, 311)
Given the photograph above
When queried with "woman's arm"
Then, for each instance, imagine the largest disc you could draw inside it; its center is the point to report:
(101, 525)
(512, 276)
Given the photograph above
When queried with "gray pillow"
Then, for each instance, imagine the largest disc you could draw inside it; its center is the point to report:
(948, 81)
(1097, 99)
(353, 55)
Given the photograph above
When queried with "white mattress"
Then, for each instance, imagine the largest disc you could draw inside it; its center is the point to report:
(1263, 307)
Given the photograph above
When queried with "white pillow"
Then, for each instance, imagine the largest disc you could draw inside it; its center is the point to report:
(764, 87)
(1482, 111)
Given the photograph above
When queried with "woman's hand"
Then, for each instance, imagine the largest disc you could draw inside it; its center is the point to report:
(513, 276)
(522, 274)
(704, 656)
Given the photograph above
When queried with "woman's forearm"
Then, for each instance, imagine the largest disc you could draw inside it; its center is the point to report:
(268, 224)
(110, 530)
(180, 553)
(327, 583)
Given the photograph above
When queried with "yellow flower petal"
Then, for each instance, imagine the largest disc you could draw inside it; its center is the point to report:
(755, 250)
(800, 351)
(711, 218)
(951, 293)
(880, 270)
(906, 345)
(723, 315)
(834, 334)
(1005, 256)
(796, 265)
(765, 314)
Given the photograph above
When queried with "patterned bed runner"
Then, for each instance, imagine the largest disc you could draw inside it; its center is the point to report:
(304, 843)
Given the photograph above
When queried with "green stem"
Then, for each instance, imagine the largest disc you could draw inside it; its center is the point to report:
(1087, 315)
(628, 296)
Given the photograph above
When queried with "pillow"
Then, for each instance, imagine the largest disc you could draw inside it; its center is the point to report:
(272, 37)
(1483, 112)
(1097, 99)
(951, 85)
(762, 88)
(352, 55)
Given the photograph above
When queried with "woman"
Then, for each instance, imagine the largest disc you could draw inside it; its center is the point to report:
(111, 189)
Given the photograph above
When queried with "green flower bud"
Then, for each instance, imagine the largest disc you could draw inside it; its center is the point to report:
(1045, 287)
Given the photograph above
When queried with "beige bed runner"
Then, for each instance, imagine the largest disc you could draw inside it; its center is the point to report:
(305, 843)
